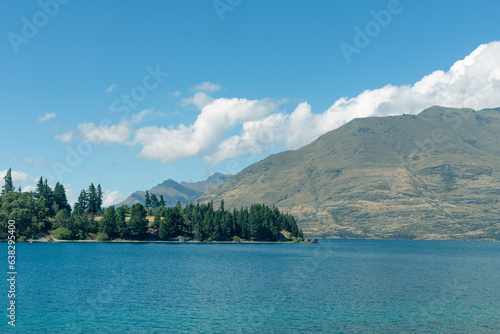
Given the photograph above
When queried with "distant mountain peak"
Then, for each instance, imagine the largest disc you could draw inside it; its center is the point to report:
(172, 191)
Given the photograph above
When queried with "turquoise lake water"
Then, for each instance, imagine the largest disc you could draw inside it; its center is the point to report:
(329, 287)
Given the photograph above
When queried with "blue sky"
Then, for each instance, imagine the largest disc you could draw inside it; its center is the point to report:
(245, 79)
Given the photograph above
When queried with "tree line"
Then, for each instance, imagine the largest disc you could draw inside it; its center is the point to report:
(46, 211)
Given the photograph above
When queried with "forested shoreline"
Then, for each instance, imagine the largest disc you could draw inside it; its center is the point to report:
(47, 213)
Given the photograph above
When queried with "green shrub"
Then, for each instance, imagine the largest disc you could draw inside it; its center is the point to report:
(61, 233)
(22, 238)
(102, 236)
(236, 239)
(209, 240)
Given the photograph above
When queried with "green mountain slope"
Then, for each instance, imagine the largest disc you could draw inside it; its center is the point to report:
(433, 175)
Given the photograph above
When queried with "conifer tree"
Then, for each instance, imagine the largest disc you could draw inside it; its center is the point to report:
(8, 186)
(81, 204)
(93, 201)
(60, 197)
(147, 202)
(99, 197)
(154, 201)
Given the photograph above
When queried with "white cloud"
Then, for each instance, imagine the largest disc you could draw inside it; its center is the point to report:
(111, 88)
(206, 87)
(65, 137)
(175, 94)
(112, 198)
(28, 188)
(169, 144)
(34, 161)
(199, 99)
(473, 82)
(106, 134)
(137, 118)
(46, 117)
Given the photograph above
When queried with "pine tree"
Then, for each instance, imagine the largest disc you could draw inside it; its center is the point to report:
(154, 201)
(108, 222)
(60, 197)
(138, 224)
(147, 202)
(93, 200)
(162, 201)
(39, 188)
(8, 186)
(99, 197)
(121, 223)
(82, 203)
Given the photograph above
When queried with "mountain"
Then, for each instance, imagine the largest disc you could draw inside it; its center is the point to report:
(172, 191)
(434, 175)
(213, 181)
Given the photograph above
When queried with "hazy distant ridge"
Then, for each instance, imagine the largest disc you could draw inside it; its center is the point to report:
(173, 191)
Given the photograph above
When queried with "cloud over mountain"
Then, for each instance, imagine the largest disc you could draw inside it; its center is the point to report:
(257, 125)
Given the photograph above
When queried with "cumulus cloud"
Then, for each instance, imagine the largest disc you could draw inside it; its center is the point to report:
(111, 88)
(473, 82)
(206, 87)
(169, 144)
(48, 116)
(199, 99)
(106, 134)
(112, 197)
(65, 137)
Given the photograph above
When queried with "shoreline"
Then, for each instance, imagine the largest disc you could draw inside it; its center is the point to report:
(158, 242)
(305, 241)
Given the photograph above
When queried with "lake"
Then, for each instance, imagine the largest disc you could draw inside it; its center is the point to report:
(347, 286)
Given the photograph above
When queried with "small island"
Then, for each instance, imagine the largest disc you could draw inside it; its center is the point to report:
(45, 215)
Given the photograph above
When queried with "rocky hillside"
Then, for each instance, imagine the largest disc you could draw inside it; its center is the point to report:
(433, 175)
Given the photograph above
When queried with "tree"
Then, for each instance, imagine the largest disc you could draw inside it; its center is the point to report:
(157, 220)
(108, 222)
(8, 186)
(93, 200)
(154, 201)
(40, 188)
(61, 233)
(61, 219)
(138, 224)
(121, 223)
(162, 201)
(42, 209)
(81, 204)
(99, 197)
(147, 201)
(177, 217)
(60, 197)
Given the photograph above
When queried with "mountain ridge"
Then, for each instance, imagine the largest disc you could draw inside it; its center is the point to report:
(173, 192)
(431, 175)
